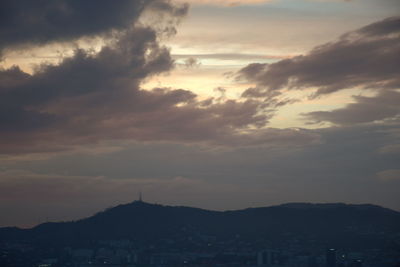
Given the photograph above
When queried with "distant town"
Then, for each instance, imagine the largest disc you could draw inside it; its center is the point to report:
(189, 245)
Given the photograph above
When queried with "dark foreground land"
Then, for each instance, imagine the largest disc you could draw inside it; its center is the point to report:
(143, 234)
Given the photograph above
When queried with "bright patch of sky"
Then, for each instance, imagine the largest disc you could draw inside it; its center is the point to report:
(225, 38)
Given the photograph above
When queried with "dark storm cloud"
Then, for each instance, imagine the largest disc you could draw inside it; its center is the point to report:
(365, 109)
(365, 58)
(25, 22)
(93, 97)
(84, 74)
(90, 97)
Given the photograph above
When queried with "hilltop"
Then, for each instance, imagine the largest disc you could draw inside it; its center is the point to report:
(144, 222)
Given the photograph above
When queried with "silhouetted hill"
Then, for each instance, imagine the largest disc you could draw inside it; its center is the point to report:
(145, 222)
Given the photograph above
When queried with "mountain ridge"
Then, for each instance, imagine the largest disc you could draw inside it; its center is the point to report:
(290, 205)
(146, 222)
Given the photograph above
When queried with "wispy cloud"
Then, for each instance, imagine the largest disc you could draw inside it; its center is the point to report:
(225, 2)
(365, 109)
(365, 58)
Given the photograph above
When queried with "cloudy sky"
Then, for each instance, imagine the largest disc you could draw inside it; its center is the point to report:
(218, 104)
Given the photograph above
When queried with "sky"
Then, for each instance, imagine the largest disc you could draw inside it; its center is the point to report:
(213, 104)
